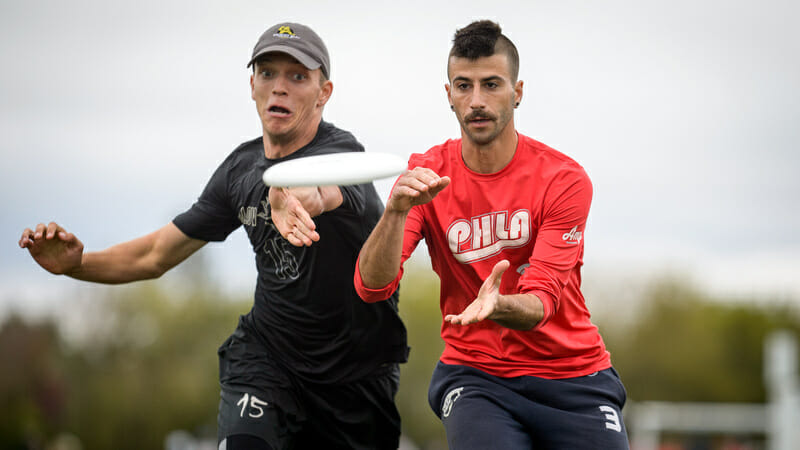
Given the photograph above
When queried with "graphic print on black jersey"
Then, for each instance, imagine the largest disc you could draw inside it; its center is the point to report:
(249, 215)
(265, 207)
(286, 266)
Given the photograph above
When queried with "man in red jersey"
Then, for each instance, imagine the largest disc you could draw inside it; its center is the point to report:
(523, 366)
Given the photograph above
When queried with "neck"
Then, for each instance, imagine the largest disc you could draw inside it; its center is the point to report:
(279, 146)
(493, 156)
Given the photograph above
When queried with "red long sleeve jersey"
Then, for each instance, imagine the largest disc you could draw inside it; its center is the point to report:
(532, 213)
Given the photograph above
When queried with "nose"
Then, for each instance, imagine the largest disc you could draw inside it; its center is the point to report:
(476, 100)
(279, 86)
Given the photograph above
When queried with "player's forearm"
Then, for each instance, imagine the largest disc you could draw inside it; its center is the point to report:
(143, 258)
(518, 311)
(315, 200)
(122, 263)
(379, 260)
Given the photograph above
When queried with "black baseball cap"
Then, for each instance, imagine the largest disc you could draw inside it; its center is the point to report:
(299, 41)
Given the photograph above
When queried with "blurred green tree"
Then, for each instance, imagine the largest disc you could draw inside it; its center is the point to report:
(151, 368)
(689, 346)
(140, 363)
(33, 387)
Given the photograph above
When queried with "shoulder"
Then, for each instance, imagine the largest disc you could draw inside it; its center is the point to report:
(237, 162)
(332, 139)
(549, 161)
(559, 176)
(245, 154)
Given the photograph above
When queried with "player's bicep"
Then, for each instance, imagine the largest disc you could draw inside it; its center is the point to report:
(559, 241)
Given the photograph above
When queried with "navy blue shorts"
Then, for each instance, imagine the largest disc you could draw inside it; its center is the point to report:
(481, 411)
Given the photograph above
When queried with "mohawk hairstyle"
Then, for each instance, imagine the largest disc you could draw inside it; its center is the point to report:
(485, 38)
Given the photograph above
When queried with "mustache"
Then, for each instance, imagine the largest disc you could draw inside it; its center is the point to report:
(479, 115)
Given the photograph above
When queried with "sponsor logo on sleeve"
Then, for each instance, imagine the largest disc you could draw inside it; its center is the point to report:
(573, 236)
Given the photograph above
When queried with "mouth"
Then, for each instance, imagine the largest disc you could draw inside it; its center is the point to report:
(478, 120)
(279, 111)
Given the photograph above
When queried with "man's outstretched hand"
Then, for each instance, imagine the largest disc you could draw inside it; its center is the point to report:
(485, 304)
(53, 248)
(291, 218)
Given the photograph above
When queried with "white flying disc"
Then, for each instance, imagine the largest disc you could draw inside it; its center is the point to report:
(339, 169)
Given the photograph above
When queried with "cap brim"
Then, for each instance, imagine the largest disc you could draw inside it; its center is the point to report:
(309, 62)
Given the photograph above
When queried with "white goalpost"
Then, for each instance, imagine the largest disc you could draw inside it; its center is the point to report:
(778, 419)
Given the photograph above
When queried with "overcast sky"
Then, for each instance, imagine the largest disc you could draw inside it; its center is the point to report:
(685, 114)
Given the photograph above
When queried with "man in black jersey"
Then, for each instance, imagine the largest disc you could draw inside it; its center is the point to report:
(311, 365)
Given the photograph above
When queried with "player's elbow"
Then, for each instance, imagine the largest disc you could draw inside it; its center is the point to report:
(151, 273)
(153, 269)
(371, 285)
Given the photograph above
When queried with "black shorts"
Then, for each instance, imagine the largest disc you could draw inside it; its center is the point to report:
(259, 398)
(481, 411)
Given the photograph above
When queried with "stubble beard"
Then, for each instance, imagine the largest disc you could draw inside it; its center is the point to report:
(500, 122)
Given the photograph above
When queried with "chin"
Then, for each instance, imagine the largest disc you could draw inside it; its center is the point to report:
(482, 139)
(278, 131)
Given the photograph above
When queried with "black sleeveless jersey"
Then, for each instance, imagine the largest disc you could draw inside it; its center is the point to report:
(306, 311)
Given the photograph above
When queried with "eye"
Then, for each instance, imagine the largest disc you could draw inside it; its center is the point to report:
(462, 86)
(492, 85)
(299, 76)
(266, 73)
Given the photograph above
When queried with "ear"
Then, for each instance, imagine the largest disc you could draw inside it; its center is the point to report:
(325, 93)
(449, 97)
(518, 92)
(252, 86)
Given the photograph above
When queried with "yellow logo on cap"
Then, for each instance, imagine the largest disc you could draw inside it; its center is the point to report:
(286, 30)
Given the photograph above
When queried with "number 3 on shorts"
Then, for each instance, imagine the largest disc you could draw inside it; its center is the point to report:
(255, 410)
(612, 418)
